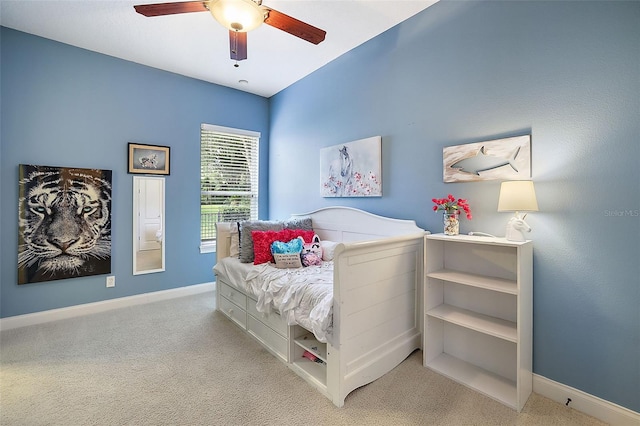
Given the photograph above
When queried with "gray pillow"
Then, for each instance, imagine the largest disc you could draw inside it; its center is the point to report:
(299, 224)
(246, 241)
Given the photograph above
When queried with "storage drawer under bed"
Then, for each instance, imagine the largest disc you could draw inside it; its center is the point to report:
(273, 319)
(234, 312)
(269, 338)
(233, 295)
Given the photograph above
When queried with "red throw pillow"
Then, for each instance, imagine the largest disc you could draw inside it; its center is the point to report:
(262, 242)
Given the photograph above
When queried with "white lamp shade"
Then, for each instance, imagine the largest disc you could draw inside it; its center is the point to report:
(237, 15)
(517, 196)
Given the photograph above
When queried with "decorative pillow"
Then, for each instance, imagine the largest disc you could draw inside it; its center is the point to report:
(299, 224)
(312, 252)
(234, 248)
(328, 249)
(262, 242)
(287, 260)
(246, 239)
(287, 255)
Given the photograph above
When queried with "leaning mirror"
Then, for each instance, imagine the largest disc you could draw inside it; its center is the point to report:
(148, 224)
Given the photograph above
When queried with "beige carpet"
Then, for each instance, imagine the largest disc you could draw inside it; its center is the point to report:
(178, 362)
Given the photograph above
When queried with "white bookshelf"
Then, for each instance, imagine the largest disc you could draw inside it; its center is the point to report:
(478, 314)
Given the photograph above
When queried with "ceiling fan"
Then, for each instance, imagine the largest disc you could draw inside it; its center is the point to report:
(239, 16)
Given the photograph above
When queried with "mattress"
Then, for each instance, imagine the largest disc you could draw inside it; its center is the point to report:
(303, 296)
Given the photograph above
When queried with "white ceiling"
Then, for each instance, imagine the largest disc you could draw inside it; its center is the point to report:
(195, 45)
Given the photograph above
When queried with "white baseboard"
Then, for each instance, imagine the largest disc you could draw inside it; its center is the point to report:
(17, 321)
(599, 408)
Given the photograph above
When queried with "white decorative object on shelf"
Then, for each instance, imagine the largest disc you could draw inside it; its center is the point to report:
(478, 314)
(516, 227)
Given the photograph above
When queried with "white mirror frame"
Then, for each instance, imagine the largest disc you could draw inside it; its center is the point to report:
(148, 220)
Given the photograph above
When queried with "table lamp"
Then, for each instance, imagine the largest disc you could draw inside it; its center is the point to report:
(517, 196)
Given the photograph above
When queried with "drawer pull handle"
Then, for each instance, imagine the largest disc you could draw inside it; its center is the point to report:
(230, 311)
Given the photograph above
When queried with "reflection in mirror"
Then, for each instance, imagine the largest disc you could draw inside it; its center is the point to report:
(148, 224)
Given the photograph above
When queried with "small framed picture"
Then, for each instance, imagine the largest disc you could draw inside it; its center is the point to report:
(149, 159)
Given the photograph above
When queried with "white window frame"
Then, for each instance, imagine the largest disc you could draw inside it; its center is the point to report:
(246, 136)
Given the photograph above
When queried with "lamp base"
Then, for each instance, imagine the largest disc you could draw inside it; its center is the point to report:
(516, 227)
(516, 236)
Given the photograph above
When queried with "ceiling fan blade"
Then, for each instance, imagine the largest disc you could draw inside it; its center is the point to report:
(238, 45)
(293, 26)
(173, 8)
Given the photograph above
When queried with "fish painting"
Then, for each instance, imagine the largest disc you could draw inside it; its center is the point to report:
(498, 159)
(483, 162)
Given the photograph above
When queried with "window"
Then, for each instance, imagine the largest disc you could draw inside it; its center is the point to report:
(228, 179)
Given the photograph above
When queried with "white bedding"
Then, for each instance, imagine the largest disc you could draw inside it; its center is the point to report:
(303, 296)
(234, 272)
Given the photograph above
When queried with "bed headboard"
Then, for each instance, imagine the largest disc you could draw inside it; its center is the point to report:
(341, 224)
(347, 224)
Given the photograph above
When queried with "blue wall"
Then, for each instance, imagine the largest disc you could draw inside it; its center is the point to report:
(565, 72)
(64, 106)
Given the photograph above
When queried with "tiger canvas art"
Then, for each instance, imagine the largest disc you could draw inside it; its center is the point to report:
(64, 223)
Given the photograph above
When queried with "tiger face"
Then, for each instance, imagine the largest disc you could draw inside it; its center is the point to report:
(64, 223)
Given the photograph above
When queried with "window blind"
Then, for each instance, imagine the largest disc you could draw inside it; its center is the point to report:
(228, 178)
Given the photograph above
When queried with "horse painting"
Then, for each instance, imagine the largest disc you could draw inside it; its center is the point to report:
(351, 169)
(340, 173)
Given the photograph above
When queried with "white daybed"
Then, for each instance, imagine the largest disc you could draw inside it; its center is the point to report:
(377, 293)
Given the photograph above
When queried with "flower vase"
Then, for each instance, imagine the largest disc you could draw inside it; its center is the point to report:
(451, 224)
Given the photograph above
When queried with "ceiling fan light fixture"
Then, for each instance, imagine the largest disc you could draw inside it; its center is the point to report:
(237, 15)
